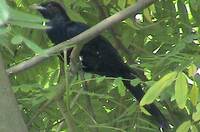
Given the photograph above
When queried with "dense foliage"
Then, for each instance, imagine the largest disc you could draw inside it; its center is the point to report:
(163, 40)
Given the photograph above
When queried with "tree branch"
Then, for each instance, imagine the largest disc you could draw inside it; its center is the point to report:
(11, 119)
(83, 37)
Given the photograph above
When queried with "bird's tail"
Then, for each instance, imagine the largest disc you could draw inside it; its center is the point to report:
(138, 93)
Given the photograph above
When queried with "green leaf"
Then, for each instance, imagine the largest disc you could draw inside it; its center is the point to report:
(130, 23)
(26, 87)
(106, 2)
(184, 127)
(198, 107)
(183, 16)
(135, 82)
(27, 20)
(131, 109)
(147, 15)
(194, 128)
(181, 90)
(4, 13)
(196, 115)
(120, 85)
(100, 79)
(194, 93)
(194, 4)
(3, 30)
(16, 15)
(192, 69)
(131, 2)
(17, 39)
(33, 46)
(75, 16)
(145, 111)
(28, 24)
(121, 3)
(155, 90)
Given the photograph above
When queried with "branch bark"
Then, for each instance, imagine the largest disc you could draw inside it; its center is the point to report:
(83, 37)
(11, 119)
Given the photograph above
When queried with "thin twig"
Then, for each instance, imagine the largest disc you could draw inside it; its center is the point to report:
(66, 115)
(88, 101)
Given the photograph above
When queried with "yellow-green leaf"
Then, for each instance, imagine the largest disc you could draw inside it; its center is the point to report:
(155, 90)
(196, 115)
(194, 93)
(130, 2)
(198, 107)
(147, 15)
(145, 111)
(181, 90)
(184, 127)
(192, 69)
(194, 129)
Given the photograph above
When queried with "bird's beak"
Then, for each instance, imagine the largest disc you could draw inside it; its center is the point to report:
(37, 7)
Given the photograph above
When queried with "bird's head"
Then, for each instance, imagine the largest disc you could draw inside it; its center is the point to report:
(50, 10)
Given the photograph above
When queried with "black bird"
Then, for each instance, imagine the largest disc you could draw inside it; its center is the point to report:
(97, 56)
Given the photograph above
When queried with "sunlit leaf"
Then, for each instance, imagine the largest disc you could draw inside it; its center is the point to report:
(184, 127)
(155, 90)
(196, 115)
(147, 15)
(194, 128)
(145, 111)
(192, 70)
(130, 2)
(194, 93)
(198, 107)
(181, 90)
